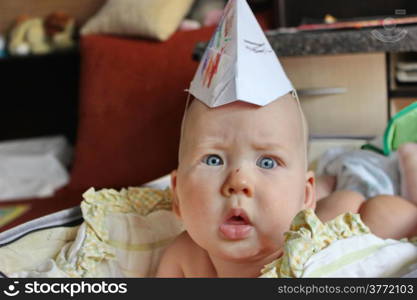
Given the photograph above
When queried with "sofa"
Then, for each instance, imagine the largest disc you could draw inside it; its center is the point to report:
(131, 101)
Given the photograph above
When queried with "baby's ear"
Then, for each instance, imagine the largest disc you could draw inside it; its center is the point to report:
(310, 188)
(175, 204)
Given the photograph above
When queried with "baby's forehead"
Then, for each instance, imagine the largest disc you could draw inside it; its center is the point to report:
(279, 121)
(282, 112)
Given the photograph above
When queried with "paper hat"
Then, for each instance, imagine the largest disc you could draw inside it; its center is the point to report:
(239, 63)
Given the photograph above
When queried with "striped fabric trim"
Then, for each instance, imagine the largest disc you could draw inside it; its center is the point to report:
(141, 247)
(344, 261)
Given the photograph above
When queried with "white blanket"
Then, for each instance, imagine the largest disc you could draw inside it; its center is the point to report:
(34, 167)
(363, 256)
(363, 171)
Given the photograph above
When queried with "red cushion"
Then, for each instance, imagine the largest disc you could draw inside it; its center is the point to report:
(131, 103)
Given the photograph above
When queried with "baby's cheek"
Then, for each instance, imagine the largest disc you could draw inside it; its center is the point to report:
(191, 187)
(198, 181)
(279, 210)
(195, 195)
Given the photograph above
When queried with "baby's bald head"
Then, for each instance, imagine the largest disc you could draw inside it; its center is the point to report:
(284, 115)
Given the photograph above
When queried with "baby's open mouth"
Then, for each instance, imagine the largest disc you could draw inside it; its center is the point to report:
(236, 220)
(236, 226)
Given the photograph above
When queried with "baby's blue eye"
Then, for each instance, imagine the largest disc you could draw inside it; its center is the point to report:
(213, 160)
(266, 163)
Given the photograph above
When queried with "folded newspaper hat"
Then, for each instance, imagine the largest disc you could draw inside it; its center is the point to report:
(239, 63)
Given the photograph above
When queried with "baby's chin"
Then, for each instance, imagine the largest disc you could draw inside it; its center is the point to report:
(243, 251)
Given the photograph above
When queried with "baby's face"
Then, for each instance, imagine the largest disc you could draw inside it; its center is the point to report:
(242, 177)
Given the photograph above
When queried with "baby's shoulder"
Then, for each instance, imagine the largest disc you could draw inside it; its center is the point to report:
(179, 242)
(175, 257)
(183, 245)
(184, 258)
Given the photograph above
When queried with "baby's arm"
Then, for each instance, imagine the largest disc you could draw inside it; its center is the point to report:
(339, 202)
(390, 216)
(170, 264)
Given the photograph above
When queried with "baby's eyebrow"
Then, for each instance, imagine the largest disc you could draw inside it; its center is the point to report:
(210, 144)
(210, 140)
(268, 146)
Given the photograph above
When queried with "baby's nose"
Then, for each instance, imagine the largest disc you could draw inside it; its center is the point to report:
(237, 183)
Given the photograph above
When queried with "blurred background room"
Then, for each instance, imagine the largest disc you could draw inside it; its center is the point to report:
(93, 90)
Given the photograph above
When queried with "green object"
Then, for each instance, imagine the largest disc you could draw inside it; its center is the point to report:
(402, 128)
(371, 147)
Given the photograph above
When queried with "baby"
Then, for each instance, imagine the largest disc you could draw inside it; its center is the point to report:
(387, 216)
(242, 174)
(242, 177)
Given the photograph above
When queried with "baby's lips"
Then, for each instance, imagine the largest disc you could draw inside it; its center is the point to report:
(236, 225)
(237, 216)
(235, 232)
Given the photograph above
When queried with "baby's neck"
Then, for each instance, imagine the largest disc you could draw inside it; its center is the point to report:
(250, 269)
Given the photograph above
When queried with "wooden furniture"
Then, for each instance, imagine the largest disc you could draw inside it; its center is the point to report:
(401, 94)
(341, 95)
(397, 104)
(292, 12)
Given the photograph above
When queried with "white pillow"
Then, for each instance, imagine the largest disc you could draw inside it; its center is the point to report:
(156, 19)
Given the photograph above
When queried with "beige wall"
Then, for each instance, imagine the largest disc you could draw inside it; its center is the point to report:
(80, 9)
